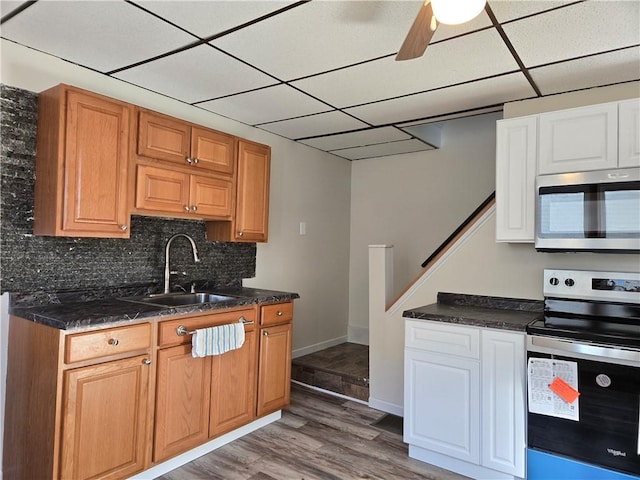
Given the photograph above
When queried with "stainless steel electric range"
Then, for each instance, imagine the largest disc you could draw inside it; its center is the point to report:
(584, 378)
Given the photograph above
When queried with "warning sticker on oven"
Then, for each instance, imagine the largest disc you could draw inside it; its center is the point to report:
(553, 388)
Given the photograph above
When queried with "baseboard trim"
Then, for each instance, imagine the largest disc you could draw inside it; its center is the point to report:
(328, 392)
(184, 458)
(386, 406)
(318, 346)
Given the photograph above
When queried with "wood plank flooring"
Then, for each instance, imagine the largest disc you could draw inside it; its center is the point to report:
(319, 437)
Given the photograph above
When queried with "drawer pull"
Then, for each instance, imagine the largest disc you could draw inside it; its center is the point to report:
(146, 361)
(114, 342)
(181, 331)
(279, 313)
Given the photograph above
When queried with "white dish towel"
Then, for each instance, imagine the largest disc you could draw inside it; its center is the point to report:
(217, 340)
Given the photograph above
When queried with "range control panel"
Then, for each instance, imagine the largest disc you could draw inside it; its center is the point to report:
(590, 285)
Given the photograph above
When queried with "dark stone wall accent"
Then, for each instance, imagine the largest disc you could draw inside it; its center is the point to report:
(29, 262)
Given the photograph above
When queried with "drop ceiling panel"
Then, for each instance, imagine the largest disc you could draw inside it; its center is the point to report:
(100, 35)
(207, 18)
(314, 125)
(607, 68)
(383, 150)
(358, 139)
(576, 30)
(266, 105)
(7, 6)
(510, 10)
(472, 95)
(322, 35)
(465, 58)
(200, 73)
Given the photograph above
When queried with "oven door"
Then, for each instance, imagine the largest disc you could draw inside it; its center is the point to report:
(606, 432)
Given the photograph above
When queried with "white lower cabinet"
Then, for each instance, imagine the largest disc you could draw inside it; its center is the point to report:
(464, 407)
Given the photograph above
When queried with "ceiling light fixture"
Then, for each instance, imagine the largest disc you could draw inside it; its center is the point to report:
(454, 12)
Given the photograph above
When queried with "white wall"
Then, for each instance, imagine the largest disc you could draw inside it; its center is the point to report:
(414, 202)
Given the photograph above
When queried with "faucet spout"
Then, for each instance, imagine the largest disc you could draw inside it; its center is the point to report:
(167, 270)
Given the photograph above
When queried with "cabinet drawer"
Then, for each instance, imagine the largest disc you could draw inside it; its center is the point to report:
(168, 331)
(277, 313)
(86, 346)
(443, 338)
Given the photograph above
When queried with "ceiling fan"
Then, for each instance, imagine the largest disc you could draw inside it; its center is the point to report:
(433, 12)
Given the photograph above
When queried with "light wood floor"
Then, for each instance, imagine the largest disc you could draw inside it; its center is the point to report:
(318, 437)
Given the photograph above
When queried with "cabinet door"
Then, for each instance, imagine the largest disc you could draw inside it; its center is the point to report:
(182, 401)
(163, 137)
(162, 190)
(213, 150)
(503, 400)
(515, 179)
(579, 139)
(103, 419)
(211, 197)
(274, 369)
(442, 404)
(95, 167)
(629, 133)
(233, 387)
(252, 201)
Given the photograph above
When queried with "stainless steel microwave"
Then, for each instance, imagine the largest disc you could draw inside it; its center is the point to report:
(596, 211)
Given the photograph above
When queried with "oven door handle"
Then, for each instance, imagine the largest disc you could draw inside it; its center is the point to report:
(618, 353)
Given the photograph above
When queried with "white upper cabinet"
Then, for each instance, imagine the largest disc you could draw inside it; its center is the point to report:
(629, 133)
(579, 139)
(516, 149)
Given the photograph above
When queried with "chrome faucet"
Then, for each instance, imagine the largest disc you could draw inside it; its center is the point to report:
(167, 271)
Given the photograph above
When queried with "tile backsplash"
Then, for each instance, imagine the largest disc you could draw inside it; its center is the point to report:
(29, 262)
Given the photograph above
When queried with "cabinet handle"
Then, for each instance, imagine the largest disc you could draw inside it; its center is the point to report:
(279, 313)
(146, 361)
(266, 334)
(124, 227)
(194, 208)
(196, 160)
(113, 341)
(189, 160)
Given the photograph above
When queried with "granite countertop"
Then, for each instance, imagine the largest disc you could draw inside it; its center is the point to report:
(480, 311)
(81, 310)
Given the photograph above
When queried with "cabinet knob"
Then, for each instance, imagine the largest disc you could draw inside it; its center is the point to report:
(240, 234)
(194, 208)
(124, 227)
(196, 160)
(113, 341)
(279, 313)
(187, 208)
(189, 160)
(266, 334)
(146, 361)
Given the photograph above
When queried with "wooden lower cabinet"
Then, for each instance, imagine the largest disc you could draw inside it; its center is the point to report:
(274, 370)
(104, 418)
(182, 401)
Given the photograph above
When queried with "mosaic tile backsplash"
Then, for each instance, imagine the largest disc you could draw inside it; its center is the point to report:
(29, 262)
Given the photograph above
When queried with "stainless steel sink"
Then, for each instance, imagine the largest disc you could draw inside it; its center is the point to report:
(178, 299)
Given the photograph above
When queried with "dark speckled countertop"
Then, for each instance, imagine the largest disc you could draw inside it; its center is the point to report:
(480, 311)
(79, 310)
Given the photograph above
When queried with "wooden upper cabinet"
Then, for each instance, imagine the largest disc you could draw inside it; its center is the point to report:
(172, 140)
(251, 220)
(81, 165)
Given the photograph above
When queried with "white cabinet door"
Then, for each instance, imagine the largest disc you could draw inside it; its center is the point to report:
(629, 133)
(442, 404)
(503, 400)
(579, 139)
(516, 149)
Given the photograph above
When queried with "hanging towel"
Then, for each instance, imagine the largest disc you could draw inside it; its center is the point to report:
(217, 340)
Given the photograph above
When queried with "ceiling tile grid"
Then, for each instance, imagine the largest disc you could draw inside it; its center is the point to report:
(323, 72)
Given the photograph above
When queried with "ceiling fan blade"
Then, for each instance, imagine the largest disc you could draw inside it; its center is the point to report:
(419, 35)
